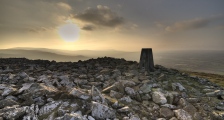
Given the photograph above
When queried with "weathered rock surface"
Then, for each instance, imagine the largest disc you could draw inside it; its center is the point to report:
(103, 88)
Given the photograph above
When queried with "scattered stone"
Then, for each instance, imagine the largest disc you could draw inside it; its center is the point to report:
(105, 88)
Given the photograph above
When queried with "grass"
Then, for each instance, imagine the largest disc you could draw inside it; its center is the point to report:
(215, 78)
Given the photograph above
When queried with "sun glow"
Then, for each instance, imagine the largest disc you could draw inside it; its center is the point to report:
(69, 32)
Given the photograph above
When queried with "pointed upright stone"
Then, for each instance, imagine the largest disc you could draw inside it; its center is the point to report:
(146, 59)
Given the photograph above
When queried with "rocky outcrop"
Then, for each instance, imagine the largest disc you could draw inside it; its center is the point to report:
(104, 88)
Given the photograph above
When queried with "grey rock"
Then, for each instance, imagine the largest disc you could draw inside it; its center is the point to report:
(13, 112)
(166, 112)
(72, 116)
(100, 111)
(97, 96)
(115, 94)
(124, 109)
(177, 85)
(130, 91)
(134, 117)
(49, 108)
(32, 112)
(79, 94)
(182, 115)
(170, 106)
(182, 102)
(9, 91)
(161, 119)
(158, 97)
(23, 75)
(126, 99)
(173, 118)
(7, 102)
(190, 109)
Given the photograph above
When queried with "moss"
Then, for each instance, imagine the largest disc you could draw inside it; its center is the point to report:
(215, 78)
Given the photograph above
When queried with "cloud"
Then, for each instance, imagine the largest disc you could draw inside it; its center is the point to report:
(64, 5)
(102, 15)
(188, 25)
(32, 15)
(88, 27)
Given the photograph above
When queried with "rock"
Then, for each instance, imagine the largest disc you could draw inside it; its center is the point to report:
(177, 85)
(12, 113)
(108, 89)
(90, 118)
(83, 76)
(124, 109)
(72, 116)
(127, 83)
(115, 94)
(217, 115)
(41, 89)
(9, 91)
(220, 106)
(197, 116)
(80, 81)
(126, 99)
(130, 91)
(134, 117)
(97, 96)
(190, 109)
(160, 119)
(32, 112)
(146, 88)
(166, 112)
(158, 97)
(193, 100)
(182, 114)
(49, 108)
(173, 118)
(116, 73)
(12, 97)
(23, 75)
(79, 94)
(105, 88)
(100, 111)
(100, 77)
(146, 97)
(182, 102)
(169, 106)
(25, 87)
(66, 82)
(7, 102)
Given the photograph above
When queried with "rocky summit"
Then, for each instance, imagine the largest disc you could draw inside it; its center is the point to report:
(103, 89)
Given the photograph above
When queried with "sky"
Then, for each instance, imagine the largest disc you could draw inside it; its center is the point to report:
(126, 25)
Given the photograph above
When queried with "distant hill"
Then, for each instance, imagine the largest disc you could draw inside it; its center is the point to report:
(38, 54)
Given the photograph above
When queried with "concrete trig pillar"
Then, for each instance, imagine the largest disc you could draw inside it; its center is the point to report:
(146, 59)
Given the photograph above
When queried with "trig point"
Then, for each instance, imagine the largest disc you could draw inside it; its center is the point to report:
(146, 59)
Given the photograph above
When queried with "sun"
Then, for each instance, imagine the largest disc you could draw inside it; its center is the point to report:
(69, 32)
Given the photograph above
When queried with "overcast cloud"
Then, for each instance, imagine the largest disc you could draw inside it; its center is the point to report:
(101, 15)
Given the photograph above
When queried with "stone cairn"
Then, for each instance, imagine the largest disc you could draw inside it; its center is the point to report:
(104, 89)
